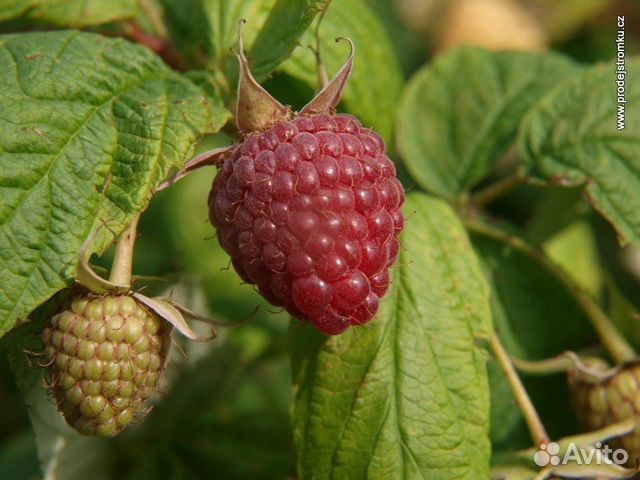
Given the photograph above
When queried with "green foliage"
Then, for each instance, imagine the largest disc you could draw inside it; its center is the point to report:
(419, 358)
(517, 284)
(459, 115)
(69, 13)
(376, 80)
(574, 249)
(275, 43)
(90, 127)
(530, 329)
(623, 312)
(229, 405)
(556, 208)
(62, 452)
(204, 30)
(570, 139)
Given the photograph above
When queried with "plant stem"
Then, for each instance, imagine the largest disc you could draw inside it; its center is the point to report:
(123, 260)
(559, 364)
(536, 428)
(323, 79)
(155, 18)
(615, 344)
(496, 190)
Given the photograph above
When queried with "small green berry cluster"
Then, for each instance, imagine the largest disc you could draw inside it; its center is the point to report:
(105, 355)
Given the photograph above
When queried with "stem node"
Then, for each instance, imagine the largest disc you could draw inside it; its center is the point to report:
(123, 260)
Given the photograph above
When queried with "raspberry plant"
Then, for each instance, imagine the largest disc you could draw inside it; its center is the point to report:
(388, 261)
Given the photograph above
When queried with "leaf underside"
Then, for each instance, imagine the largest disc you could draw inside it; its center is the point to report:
(571, 138)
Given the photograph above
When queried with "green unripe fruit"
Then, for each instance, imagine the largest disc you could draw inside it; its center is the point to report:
(105, 355)
(602, 400)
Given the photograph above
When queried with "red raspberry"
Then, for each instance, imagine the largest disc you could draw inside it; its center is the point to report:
(309, 211)
(308, 205)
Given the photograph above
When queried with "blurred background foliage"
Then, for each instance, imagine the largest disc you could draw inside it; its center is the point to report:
(232, 396)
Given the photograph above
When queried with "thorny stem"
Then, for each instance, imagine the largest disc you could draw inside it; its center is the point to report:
(536, 428)
(496, 190)
(123, 260)
(323, 79)
(615, 344)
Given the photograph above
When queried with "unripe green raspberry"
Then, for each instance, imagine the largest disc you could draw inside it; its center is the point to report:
(615, 396)
(105, 355)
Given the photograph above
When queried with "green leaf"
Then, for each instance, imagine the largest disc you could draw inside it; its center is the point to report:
(555, 209)
(19, 455)
(535, 318)
(459, 115)
(622, 312)
(88, 127)
(571, 138)
(410, 46)
(376, 80)
(10, 9)
(227, 404)
(279, 35)
(205, 30)
(69, 13)
(518, 285)
(574, 249)
(563, 19)
(405, 396)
